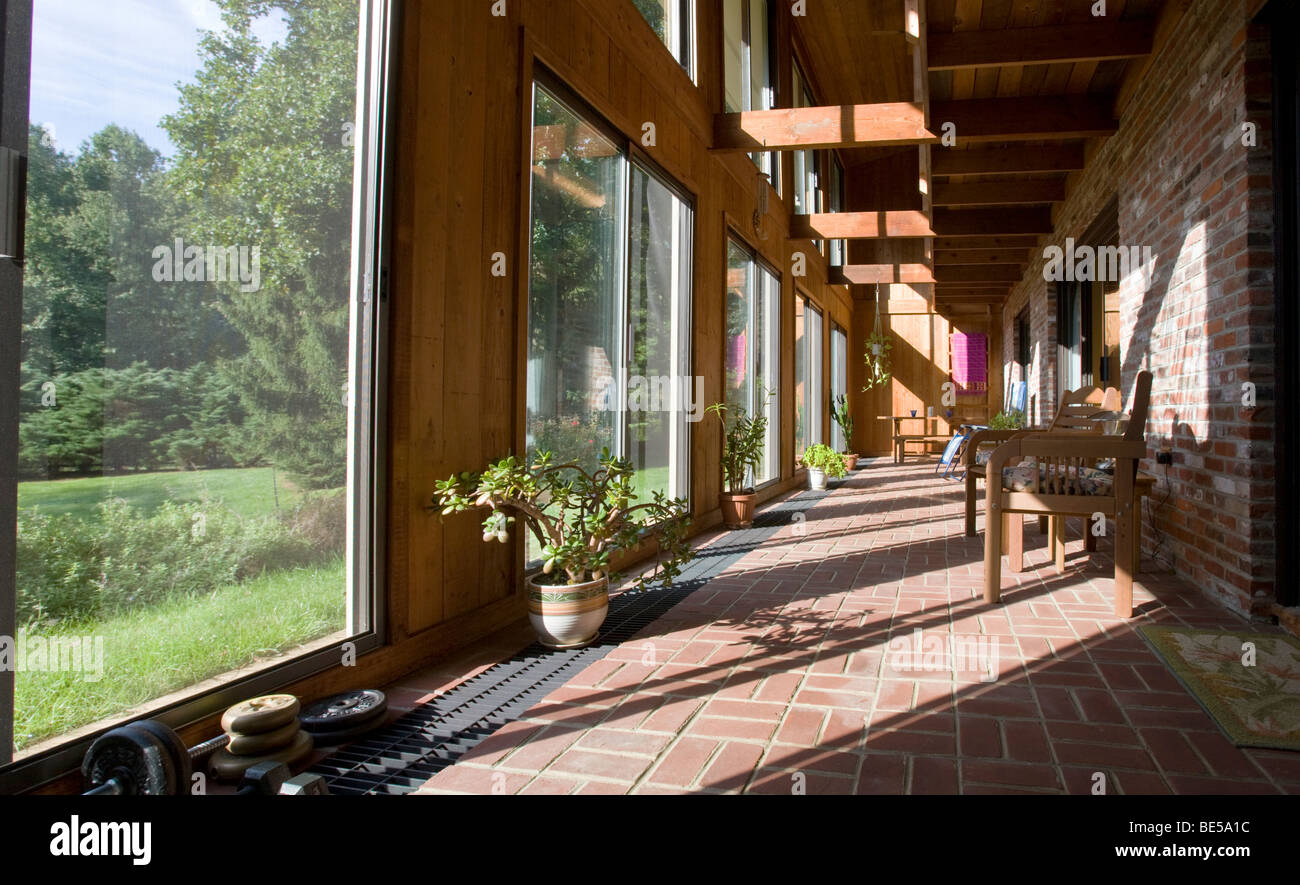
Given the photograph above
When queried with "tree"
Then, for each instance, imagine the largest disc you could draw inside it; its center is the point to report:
(265, 160)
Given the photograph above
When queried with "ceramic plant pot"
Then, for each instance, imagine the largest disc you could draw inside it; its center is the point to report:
(567, 615)
(737, 510)
(816, 479)
(850, 461)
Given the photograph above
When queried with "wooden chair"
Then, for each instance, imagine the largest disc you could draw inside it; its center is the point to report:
(1073, 416)
(1057, 485)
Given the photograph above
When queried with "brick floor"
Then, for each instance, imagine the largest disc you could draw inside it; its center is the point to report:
(809, 666)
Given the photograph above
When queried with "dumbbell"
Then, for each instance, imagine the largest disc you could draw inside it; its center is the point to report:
(147, 758)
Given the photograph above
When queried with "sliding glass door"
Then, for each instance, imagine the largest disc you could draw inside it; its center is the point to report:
(839, 383)
(809, 388)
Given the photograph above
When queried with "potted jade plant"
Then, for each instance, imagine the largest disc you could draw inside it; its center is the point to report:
(581, 519)
(822, 461)
(743, 438)
(840, 412)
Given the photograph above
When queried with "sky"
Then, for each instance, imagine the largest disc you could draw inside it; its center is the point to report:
(96, 62)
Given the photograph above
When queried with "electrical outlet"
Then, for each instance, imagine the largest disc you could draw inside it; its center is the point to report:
(1165, 456)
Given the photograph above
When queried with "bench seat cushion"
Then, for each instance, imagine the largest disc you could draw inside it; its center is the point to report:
(1020, 478)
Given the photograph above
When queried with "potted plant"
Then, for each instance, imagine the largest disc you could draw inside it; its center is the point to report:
(822, 461)
(1012, 419)
(840, 412)
(580, 519)
(742, 455)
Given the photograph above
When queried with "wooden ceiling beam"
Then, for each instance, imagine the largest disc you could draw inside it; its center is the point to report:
(961, 274)
(907, 224)
(870, 274)
(999, 193)
(839, 126)
(982, 256)
(955, 244)
(1008, 160)
(985, 222)
(1053, 44)
(1026, 119)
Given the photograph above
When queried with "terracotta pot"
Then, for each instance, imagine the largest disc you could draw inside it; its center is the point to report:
(850, 461)
(816, 479)
(567, 615)
(737, 510)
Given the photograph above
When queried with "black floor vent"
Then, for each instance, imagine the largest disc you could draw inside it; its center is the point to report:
(399, 758)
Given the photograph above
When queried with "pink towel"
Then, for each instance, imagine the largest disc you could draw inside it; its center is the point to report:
(970, 361)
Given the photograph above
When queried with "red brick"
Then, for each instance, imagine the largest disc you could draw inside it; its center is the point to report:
(732, 767)
(684, 762)
(620, 767)
(980, 737)
(934, 776)
(882, 774)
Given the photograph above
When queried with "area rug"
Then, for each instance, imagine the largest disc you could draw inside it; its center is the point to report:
(1256, 705)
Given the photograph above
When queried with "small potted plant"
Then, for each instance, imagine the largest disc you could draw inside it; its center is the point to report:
(822, 461)
(840, 412)
(1013, 419)
(580, 519)
(742, 455)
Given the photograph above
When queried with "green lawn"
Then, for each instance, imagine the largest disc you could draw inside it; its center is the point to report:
(248, 491)
(178, 643)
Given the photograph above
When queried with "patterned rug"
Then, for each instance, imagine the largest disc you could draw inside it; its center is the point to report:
(1253, 693)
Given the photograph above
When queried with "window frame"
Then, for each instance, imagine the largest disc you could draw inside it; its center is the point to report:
(814, 365)
(768, 162)
(380, 23)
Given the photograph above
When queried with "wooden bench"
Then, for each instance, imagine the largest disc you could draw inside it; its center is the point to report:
(902, 439)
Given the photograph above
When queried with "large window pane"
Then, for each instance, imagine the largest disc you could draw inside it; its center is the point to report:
(734, 54)
(673, 21)
(753, 361)
(192, 348)
(575, 285)
(839, 383)
(809, 412)
(659, 292)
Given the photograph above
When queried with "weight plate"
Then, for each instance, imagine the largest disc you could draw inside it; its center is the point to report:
(180, 754)
(225, 766)
(266, 742)
(344, 735)
(139, 761)
(344, 711)
(258, 715)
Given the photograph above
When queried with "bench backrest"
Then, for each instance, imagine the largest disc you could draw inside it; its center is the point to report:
(1078, 406)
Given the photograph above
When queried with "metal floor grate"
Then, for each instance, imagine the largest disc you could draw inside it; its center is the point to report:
(400, 757)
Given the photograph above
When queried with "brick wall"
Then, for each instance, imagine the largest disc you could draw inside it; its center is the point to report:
(1201, 317)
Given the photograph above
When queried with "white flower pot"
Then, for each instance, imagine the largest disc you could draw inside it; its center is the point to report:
(816, 479)
(567, 615)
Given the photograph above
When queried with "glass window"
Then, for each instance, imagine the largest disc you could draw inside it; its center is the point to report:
(753, 347)
(197, 358)
(609, 303)
(809, 389)
(839, 248)
(674, 22)
(575, 285)
(658, 360)
(747, 54)
(839, 383)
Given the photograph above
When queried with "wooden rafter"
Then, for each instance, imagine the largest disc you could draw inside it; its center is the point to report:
(999, 193)
(963, 274)
(860, 226)
(986, 222)
(1053, 44)
(840, 126)
(869, 274)
(1025, 119)
(981, 256)
(1009, 160)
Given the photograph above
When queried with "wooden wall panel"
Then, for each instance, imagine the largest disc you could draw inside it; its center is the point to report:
(456, 387)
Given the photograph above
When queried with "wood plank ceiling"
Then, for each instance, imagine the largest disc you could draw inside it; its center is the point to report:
(1031, 85)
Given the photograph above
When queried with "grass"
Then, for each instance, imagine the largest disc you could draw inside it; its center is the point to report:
(248, 491)
(180, 642)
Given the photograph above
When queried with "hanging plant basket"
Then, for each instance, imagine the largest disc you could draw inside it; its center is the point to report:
(877, 355)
